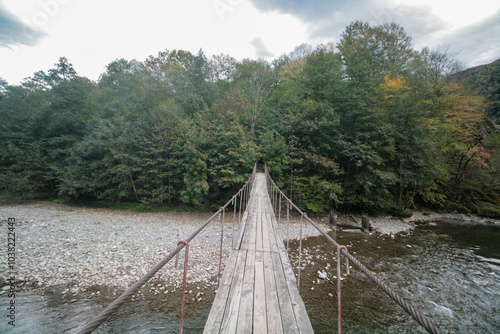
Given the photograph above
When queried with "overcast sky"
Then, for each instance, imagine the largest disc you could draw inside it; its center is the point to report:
(34, 34)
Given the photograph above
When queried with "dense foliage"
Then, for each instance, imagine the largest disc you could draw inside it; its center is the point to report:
(369, 124)
(484, 80)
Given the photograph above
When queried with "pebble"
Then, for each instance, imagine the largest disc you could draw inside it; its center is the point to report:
(78, 248)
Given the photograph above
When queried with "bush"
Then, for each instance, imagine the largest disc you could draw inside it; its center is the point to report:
(456, 207)
(489, 210)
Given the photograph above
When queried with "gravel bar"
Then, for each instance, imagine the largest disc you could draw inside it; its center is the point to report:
(65, 246)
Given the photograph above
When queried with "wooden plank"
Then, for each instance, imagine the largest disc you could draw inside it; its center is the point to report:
(259, 296)
(253, 232)
(241, 231)
(272, 236)
(258, 292)
(245, 315)
(250, 222)
(299, 309)
(274, 325)
(285, 303)
(231, 312)
(214, 320)
(279, 240)
(266, 246)
(258, 237)
(251, 212)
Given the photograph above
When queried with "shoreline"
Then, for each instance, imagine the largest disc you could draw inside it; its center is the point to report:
(387, 224)
(80, 248)
(75, 248)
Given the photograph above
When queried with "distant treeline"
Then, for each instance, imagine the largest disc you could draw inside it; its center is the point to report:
(368, 124)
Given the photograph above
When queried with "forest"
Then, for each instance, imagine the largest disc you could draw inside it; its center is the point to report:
(369, 124)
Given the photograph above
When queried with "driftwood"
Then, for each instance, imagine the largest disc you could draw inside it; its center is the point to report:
(355, 220)
(366, 226)
(333, 218)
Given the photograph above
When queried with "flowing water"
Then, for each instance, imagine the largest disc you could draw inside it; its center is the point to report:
(449, 271)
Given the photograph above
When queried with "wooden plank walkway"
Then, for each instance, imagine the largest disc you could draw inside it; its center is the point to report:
(258, 291)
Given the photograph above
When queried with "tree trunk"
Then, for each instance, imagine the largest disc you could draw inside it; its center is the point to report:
(333, 218)
(133, 186)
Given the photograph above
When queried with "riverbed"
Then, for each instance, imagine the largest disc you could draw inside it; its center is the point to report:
(448, 270)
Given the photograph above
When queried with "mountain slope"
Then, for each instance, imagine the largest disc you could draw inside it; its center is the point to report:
(485, 80)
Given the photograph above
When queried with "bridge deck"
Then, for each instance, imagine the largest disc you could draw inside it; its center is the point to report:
(258, 291)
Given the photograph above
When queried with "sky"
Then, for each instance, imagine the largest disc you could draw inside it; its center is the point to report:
(34, 34)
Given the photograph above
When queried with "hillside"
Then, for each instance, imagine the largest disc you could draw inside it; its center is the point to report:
(484, 80)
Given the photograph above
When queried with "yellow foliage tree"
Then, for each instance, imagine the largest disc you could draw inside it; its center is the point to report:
(463, 119)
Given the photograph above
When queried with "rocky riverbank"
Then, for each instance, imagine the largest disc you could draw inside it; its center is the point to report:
(385, 224)
(434, 216)
(74, 248)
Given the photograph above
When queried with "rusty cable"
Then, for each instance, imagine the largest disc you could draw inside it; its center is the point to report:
(184, 283)
(419, 317)
(339, 289)
(117, 303)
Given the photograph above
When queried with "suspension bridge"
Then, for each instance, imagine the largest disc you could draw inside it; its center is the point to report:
(258, 291)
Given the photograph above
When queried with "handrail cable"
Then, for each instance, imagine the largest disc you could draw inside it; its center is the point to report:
(421, 319)
(115, 305)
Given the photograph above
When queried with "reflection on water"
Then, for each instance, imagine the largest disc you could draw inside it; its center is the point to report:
(449, 271)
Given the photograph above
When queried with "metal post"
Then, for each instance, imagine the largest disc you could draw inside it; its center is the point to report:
(339, 293)
(184, 283)
(244, 198)
(275, 199)
(241, 198)
(272, 195)
(347, 265)
(279, 211)
(221, 242)
(287, 225)
(300, 248)
(234, 220)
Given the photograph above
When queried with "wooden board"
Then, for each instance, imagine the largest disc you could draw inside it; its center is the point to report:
(259, 296)
(274, 325)
(258, 292)
(214, 321)
(230, 317)
(245, 315)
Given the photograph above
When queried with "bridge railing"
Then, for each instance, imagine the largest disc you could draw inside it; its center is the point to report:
(241, 198)
(277, 196)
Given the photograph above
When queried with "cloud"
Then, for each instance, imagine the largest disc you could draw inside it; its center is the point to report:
(475, 44)
(260, 49)
(417, 20)
(14, 32)
(306, 10)
(479, 43)
(327, 19)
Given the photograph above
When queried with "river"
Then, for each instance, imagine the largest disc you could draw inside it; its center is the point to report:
(450, 271)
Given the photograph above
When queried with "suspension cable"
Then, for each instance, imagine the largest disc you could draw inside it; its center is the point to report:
(115, 305)
(419, 317)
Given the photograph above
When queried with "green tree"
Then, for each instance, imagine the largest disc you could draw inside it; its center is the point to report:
(256, 79)
(417, 168)
(274, 152)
